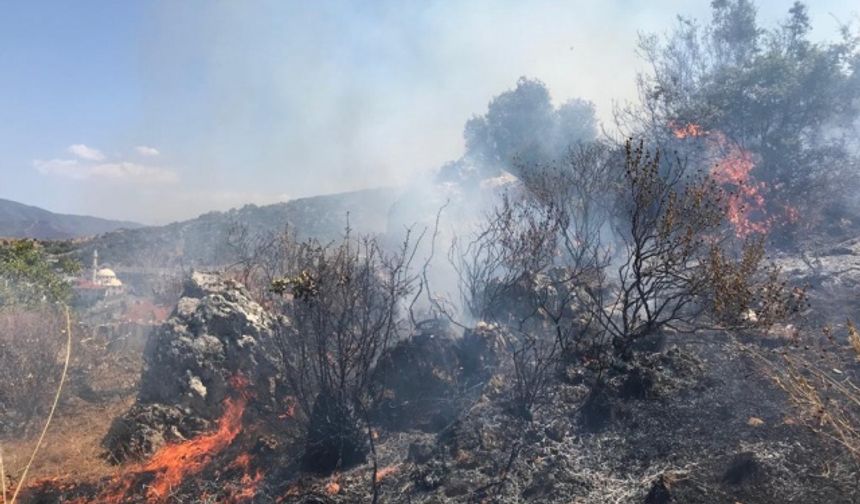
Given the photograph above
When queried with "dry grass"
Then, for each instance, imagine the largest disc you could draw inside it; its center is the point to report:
(72, 448)
(823, 387)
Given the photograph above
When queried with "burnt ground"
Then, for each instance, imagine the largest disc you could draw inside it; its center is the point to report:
(701, 423)
(715, 429)
(711, 428)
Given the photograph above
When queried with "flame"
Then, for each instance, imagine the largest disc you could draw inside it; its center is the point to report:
(291, 408)
(687, 130)
(386, 471)
(333, 486)
(746, 205)
(294, 490)
(172, 463)
(248, 485)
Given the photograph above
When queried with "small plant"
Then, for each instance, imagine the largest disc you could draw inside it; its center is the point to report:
(534, 361)
(744, 293)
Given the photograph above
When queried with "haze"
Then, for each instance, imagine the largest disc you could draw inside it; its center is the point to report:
(158, 111)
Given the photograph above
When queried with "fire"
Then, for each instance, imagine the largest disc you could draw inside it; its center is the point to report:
(333, 486)
(249, 484)
(687, 130)
(171, 464)
(745, 208)
(291, 408)
(386, 472)
(248, 489)
(174, 462)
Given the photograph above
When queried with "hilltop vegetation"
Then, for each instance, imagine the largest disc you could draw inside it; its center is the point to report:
(24, 221)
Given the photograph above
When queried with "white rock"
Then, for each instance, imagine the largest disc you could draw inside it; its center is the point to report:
(197, 386)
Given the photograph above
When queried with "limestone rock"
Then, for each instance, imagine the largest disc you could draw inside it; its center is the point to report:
(216, 338)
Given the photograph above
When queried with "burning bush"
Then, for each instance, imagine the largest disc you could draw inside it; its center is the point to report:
(780, 105)
(678, 266)
(542, 265)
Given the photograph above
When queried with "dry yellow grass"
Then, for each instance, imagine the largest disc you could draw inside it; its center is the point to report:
(854, 338)
(68, 447)
(826, 398)
(72, 449)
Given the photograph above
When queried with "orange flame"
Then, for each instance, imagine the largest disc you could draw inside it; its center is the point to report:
(291, 408)
(687, 130)
(172, 463)
(745, 207)
(333, 486)
(248, 485)
(386, 471)
(747, 202)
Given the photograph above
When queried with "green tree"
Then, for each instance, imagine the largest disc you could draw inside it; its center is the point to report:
(29, 276)
(521, 129)
(789, 101)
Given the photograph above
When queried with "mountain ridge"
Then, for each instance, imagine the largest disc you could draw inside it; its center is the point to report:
(204, 241)
(20, 220)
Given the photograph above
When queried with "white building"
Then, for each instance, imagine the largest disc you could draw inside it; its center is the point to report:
(105, 278)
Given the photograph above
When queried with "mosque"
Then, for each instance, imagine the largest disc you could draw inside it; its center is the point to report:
(103, 279)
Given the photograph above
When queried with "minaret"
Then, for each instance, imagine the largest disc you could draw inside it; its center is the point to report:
(95, 263)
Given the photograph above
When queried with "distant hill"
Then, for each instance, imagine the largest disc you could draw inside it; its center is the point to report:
(23, 221)
(203, 241)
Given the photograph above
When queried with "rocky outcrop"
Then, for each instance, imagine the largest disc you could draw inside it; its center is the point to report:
(217, 344)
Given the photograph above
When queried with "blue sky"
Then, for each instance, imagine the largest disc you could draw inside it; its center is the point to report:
(155, 111)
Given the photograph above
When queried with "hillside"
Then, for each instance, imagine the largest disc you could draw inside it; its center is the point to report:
(24, 221)
(205, 240)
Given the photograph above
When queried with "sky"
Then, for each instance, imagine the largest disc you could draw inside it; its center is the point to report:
(159, 111)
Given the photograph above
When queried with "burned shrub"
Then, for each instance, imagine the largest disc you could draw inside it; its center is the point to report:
(479, 352)
(534, 361)
(420, 382)
(666, 224)
(426, 380)
(742, 468)
(596, 412)
(678, 266)
(334, 438)
(660, 491)
(524, 270)
(344, 304)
